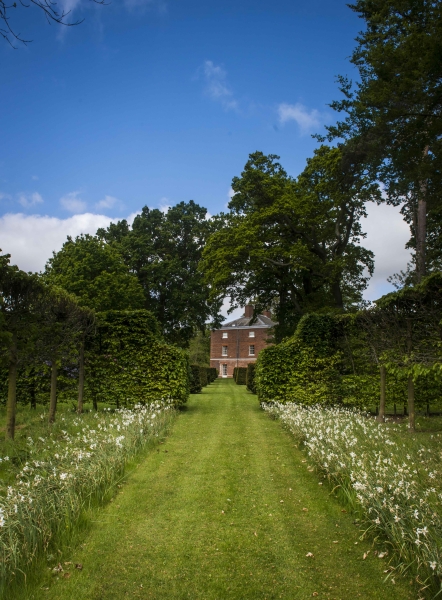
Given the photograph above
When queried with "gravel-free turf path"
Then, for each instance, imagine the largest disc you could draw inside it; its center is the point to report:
(225, 508)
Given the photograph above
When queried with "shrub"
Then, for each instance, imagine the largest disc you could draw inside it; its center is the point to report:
(250, 378)
(235, 373)
(203, 376)
(195, 380)
(241, 375)
(212, 374)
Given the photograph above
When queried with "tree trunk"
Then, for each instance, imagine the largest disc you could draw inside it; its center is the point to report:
(381, 416)
(81, 379)
(94, 402)
(421, 227)
(53, 400)
(411, 418)
(12, 390)
(337, 294)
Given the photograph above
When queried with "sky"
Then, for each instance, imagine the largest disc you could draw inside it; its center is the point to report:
(154, 102)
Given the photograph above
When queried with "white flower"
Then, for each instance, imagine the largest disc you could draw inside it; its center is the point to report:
(63, 476)
(433, 565)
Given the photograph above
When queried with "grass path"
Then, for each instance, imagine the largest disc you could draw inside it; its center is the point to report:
(218, 512)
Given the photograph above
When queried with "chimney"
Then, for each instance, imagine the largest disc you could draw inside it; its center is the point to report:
(267, 314)
(248, 311)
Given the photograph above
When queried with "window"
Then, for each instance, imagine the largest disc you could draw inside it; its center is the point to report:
(251, 334)
(252, 350)
(225, 351)
(224, 370)
(225, 334)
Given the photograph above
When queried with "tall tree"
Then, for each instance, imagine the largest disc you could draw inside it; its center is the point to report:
(164, 250)
(95, 273)
(394, 114)
(293, 243)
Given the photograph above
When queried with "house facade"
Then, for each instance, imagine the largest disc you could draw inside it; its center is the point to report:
(239, 342)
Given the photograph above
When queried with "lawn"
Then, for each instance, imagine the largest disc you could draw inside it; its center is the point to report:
(226, 507)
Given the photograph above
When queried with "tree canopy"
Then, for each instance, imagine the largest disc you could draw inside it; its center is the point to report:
(293, 243)
(163, 250)
(95, 272)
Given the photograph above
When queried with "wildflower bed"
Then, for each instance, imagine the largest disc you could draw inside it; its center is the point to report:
(387, 474)
(62, 470)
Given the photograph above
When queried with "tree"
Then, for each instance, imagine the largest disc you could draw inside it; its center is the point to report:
(164, 250)
(95, 273)
(62, 326)
(49, 9)
(20, 293)
(293, 243)
(394, 115)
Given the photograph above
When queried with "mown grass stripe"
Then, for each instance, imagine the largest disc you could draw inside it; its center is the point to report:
(217, 513)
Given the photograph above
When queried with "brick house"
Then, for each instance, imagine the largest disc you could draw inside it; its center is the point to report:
(238, 343)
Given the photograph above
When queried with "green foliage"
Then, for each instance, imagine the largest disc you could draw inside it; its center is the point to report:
(96, 273)
(241, 374)
(129, 363)
(250, 378)
(304, 368)
(235, 373)
(163, 250)
(199, 349)
(212, 374)
(293, 244)
(335, 358)
(195, 379)
(203, 376)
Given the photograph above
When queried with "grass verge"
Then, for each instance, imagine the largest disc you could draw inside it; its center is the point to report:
(53, 476)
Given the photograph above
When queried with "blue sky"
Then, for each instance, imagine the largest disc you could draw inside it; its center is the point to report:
(155, 102)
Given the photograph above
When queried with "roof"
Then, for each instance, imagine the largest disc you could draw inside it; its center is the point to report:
(260, 321)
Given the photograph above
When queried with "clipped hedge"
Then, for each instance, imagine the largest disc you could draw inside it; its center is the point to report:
(130, 363)
(241, 375)
(200, 377)
(304, 368)
(195, 380)
(212, 374)
(250, 378)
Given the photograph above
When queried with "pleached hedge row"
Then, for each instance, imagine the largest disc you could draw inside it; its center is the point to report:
(338, 358)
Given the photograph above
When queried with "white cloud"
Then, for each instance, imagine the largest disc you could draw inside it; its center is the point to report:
(5, 196)
(387, 234)
(30, 239)
(216, 85)
(107, 202)
(164, 205)
(34, 177)
(73, 203)
(27, 200)
(307, 120)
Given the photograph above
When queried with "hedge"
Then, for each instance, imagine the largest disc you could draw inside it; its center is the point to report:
(200, 377)
(250, 378)
(195, 380)
(241, 375)
(128, 362)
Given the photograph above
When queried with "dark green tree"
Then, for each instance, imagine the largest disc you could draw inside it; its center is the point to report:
(164, 250)
(95, 272)
(394, 113)
(293, 244)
